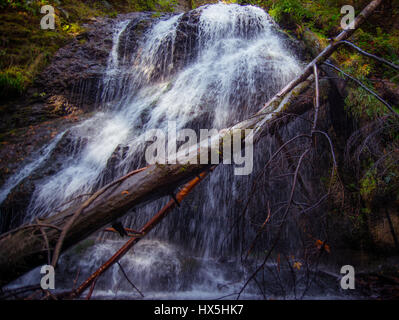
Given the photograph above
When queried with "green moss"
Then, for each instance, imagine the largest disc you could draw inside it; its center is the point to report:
(198, 3)
(12, 83)
(167, 5)
(379, 35)
(156, 15)
(28, 49)
(73, 29)
(288, 9)
(368, 185)
(184, 167)
(112, 14)
(363, 105)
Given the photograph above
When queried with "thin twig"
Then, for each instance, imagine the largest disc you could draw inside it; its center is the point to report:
(317, 94)
(89, 201)
(28, 226)
(280, 227)
(364, 87)
(46, 242)
(75, 281)
(15, 292)
(259, 232)
(88, 297)
(127, 278)
(361, 51)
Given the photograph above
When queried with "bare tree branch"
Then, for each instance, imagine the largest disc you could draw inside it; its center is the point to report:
(127, 278)
(364, 87)
(382, 60)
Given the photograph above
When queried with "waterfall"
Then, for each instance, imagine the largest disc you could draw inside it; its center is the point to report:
(40, 157)
(209, 68)
(240, 63)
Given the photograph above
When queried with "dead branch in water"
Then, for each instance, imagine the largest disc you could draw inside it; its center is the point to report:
(127, 278)
(89, 201)
(311, 137)
(146, 228)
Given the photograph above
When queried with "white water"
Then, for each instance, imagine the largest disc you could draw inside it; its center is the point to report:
(221, 83)
(239, 63)
(41, 156)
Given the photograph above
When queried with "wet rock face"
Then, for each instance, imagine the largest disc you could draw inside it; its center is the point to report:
(174, 52)
(62, 93)
(77, 69)
(186, 44)
(74, 77)
(130, 38)
(14, 207)
(72, 85)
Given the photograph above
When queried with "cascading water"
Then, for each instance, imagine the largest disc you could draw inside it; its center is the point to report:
(238, 54)
(208, 68)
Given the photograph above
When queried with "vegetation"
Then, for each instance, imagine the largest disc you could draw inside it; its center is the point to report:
(12, 82)
(371, 174)
(380, 36)
(25, 49)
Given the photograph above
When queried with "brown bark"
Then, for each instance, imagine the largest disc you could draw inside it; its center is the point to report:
(147, 228)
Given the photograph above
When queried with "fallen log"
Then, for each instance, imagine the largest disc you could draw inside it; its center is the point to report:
(24, 248)
(144, 230)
